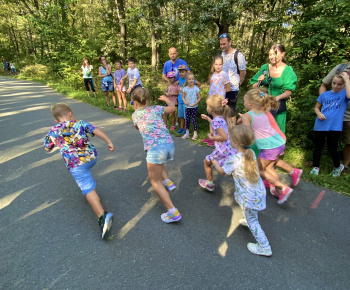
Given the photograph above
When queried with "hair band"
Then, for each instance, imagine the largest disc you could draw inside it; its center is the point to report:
(247, 147)
(224, 102)
(262, 95)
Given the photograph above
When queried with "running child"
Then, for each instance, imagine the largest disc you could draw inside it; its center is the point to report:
(134, 76)
(219, 84)
(330, 109)
(119, 85)
(250, 192)
(86, 69)
(191, 97)
(158, 145)
(272, 144)
(218, 108)
(172, 94)
(181, 107)
(79, 155)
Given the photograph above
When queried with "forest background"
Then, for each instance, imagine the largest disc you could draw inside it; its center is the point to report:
(48, 40)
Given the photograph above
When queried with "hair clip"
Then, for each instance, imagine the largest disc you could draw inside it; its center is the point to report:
(224, 102)
(262, 95)
(247, 147)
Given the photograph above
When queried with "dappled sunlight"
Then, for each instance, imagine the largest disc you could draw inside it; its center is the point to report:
(111, 122)
(152, 201)
(20, 150)
(19, 94)
(119, 166)
(39, 208)
(20, 139)
(282, 219)
(8, 199)
(20, 171)
(24, 110)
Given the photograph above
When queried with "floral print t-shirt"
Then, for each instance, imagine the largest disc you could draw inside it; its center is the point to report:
(72, 140)
(191, 95)
(247, 195)
(151, 126)
(217, 84)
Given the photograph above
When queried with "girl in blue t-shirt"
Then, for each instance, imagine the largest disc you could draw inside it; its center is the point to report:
(330, 109)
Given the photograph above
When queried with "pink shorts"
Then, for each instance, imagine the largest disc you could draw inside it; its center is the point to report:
(272, 154)
(120, 88)
(173, 99)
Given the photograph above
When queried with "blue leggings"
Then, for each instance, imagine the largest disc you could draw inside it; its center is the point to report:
(191, 113)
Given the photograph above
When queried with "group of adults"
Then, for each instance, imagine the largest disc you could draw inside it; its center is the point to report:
(278, 77)
(9, 67)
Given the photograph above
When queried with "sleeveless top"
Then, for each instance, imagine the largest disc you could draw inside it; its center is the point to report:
(266, 137)
(108, 78)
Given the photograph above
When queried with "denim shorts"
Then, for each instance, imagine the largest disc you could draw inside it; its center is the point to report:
(272, 154)
(181, 110)
(159, 154)
(107, 86)
(83, 177)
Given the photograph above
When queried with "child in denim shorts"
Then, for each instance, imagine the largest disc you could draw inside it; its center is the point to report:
(158, 144)
(70, 136)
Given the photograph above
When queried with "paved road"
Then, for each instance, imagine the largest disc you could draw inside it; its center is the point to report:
(49, 238)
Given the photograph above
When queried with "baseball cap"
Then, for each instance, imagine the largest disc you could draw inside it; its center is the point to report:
(170, 74)
(181, 67)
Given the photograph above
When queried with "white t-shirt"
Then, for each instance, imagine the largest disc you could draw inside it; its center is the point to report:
(134, 74)
(87, 72)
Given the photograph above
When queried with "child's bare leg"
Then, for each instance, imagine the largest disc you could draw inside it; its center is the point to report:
(165, 175)
(208, 170)
(119, 95)
(173, 119)
(183, 123)
(177, 114)
(88, 93)
(95, 203)
(114, 100)
(155, 175)
(94, 94)
(284, 165)
(269, 173)
(107, 98)
(165, 118)
(124, 100)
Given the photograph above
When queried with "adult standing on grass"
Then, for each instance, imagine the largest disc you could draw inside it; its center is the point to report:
(173, 64)
(343, 67)
(279, 79)
(105, 73)
(235, 66)
(4, 64)
(86, 69)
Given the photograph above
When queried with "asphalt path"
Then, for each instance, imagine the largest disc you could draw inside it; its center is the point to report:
(49, 236)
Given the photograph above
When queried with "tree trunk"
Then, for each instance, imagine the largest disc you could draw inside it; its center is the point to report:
(122, 25)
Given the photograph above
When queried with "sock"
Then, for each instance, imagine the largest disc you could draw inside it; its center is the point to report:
(291, 172)
(172, 210)
(210, 182)
(165, 181)
(188, 132)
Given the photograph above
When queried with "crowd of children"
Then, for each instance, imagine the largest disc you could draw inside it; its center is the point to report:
(252, 173)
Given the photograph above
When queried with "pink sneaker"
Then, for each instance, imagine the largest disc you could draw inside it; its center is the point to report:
(206, 140)
(211, 143)
(172, 128)
(204, 183)
(296, 176)
(120, 109)
(267, 184)
(284, 194)
(274, 191)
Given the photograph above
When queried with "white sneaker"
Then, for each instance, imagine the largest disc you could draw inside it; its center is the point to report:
(176, 124)
(243, 222)
(258, 250)
(186, 136)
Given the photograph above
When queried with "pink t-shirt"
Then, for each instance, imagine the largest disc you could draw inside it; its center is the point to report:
(217, 83)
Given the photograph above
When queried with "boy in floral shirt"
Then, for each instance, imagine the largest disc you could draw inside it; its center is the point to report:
(79, 155)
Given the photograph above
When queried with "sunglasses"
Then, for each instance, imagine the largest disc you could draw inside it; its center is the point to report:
(225, 35)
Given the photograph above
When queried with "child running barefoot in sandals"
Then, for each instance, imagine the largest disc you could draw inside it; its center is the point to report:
(250, 192)
(269, 141)
(158, 145)
(217, 107)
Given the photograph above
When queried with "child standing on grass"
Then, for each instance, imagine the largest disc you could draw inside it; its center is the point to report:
(158, 145)
(134, 76)
(219, 84)
(86, 69)
(217, 107)
(191, 97)
(119, 85)
(79, 155)
(172, 94)
(330, 109)
(250, 192)
(257, 102)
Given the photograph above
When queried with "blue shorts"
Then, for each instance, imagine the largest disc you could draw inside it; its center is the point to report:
(159, 154)
(83, 177)
(107, 86)
(181, 110)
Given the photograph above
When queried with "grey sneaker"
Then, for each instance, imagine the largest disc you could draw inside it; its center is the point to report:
(258, 250)
(337, 171)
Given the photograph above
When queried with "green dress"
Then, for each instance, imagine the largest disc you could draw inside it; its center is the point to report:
(276, 87)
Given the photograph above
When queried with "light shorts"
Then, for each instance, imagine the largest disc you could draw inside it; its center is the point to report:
(181, 110)
(159, 154)
(107, 86)
(83, 177)
(346, 132)
(272, 154)
(120, 88)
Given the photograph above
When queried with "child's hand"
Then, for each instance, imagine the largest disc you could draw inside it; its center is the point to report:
(239, 121)
(163, 98)
(321, 116)
(186, 103)
(210, 136)
(345, 76)
(110, 146)
(128, 90)
(205, 117)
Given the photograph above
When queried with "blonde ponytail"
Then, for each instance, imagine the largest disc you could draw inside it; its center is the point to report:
(251, 170)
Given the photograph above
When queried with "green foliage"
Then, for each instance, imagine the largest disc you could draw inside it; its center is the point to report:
(38, 72)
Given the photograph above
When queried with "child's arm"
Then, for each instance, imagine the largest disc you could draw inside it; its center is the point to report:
(198, 99)
(49, 142)
(99, 133)
(184, 99)
(318, 111)
(197, 83)
(108, 69)
(227, 87)
(132, 86)
(170, 108)
(246, 119)
(218, 167)
(346, 79)
(222, 135)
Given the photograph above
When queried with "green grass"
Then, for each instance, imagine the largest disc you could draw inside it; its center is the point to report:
(295, 156)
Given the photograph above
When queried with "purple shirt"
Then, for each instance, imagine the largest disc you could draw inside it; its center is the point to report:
(118, 74)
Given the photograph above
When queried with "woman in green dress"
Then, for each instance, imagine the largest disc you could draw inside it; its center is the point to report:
(279, 79)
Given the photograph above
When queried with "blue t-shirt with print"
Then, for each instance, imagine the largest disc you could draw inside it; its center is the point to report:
(333, 108)
(169, 66)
